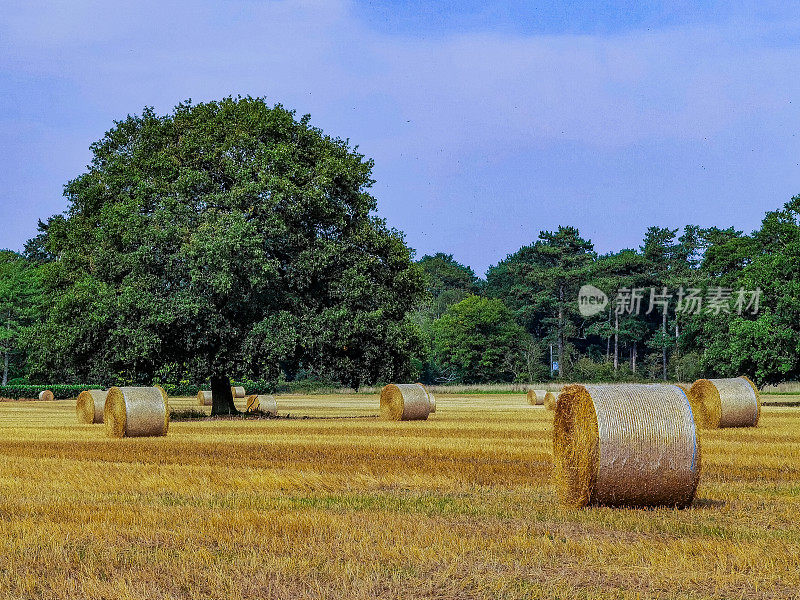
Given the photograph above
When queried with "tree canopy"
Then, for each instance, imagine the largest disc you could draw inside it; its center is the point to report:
(20, 307)
(223, 239)
(478, 341)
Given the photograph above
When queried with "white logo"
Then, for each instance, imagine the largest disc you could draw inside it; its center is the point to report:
(591, 301)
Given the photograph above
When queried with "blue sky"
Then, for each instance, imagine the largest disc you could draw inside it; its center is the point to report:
(488, 122)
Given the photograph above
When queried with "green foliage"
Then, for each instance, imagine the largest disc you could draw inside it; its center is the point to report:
(225, 238)
(20, 307)
(60, 391)
(447, 282)
(478, 341)
(540, 284)
(766, 345)
(686, 367)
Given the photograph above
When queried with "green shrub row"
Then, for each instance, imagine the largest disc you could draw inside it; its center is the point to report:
(61, 392)
(64, 392)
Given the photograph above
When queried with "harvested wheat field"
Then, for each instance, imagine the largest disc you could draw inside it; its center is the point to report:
(341, 504)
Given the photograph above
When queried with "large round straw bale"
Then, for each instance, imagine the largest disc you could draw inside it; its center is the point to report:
(625, 445)
(727, 402)
(204, 398)
(90, 406)
(136, 412)
(46, 395)
(238, 391)
(431, 397)
(404, 402)
(262, 403)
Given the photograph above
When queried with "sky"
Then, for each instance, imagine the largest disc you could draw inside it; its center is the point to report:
(488, 122)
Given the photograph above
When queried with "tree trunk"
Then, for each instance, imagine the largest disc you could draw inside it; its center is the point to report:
(633, 357)
(221, 396)
(664, 342)
(608, 340)
(5, 359)
(616, 342)
(560, 330)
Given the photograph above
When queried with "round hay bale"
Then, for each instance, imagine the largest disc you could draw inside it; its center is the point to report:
(204, 398)
(431, 397)
(238, 392)
(262, 403)
(698, 410)
(404, 402)
(550, 400)
(727, 402)
(90, 406)
(46, 395)
(542, 398)
(136, 412)
(625, 445)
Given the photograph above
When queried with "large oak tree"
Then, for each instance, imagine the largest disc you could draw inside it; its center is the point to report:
(226, 239)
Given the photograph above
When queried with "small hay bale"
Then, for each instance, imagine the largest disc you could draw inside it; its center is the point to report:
(204, 398)
(625, 445)
(90, 406)
(727, 402)
(136, 412)
(404, 402)
(46, 395)
(238, 392)
(431, 397)
(542, 398)
(262, 403)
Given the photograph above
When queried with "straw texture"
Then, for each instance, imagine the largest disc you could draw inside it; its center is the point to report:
(550, 401)
(136, 412)
(541, 398)
(727, 402)
(405, 402)
(625, 445)
(90, 406)
(262, 403)
(204, 398)
(431, 397)
(238, 391)
(698, 410)
(46, 395)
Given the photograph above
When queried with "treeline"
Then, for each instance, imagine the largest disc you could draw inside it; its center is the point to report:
(732, 306)
(685, 304)
(231, 239)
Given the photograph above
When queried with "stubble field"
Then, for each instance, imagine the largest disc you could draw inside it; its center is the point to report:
(341, 505)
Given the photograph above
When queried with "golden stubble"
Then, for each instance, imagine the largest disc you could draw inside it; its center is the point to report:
(457, 506)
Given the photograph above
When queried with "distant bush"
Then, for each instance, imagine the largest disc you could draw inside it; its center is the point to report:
(61, 392)
(687, 367)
